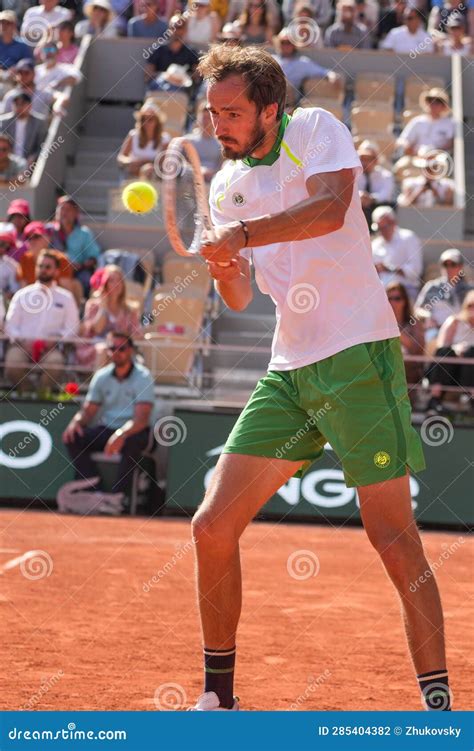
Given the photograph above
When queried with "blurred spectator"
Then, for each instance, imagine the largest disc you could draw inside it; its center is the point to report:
(67, 50)
(321, 10)
(12, 49)
(116, 416)
(144, 141)
(26, 129)
(434, 130)
(443, 12)
(237, 7)
(206, 144)
(39, 312)
(376, 184)
(297, 67)
(202, 26)
(107, 310)
(305, 29)
(149, 23)
(174, 78)
(255, 23)
(18, 213)
(346, 32)
(11, 167)
(75, 239)
(36, 241)
(53, 75)
(432, 187)
(456, 42)
(367, 13)
(455, 339)
(411, 37)
(9, 269)
(174, 52)
(41, 100)
(412, 338)
(397, 251)
(230, 34)
(100, 21)
(40, 20)
(443, 297)
(391, 18)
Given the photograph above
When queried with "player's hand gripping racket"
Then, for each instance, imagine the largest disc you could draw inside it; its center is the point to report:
(185, 203)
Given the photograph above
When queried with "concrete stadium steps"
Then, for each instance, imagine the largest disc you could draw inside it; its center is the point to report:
(113, 119)
(93, 173)
(140, 240)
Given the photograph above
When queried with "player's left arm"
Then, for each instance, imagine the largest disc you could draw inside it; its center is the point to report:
(324, 211)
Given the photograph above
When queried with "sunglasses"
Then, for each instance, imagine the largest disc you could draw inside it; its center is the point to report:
(450, 264)
(434, 100)
(411, 18)
(471, 305)
(395, 298)
(118, 348)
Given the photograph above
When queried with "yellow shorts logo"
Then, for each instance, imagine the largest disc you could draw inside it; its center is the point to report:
(381, 459)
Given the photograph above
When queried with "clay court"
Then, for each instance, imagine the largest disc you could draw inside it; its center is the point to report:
(81, 633)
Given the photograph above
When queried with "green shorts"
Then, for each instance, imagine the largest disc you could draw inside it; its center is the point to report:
(356, 400)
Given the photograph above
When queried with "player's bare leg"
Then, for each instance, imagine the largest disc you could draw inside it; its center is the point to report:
(240, 486)
(388, 520)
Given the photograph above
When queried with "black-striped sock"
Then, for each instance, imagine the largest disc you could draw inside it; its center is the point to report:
(219, 667)
(435, 691)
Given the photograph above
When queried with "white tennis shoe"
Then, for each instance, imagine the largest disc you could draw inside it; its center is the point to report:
(209, 702)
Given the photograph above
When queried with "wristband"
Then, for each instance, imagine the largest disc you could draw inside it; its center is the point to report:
(246, 231)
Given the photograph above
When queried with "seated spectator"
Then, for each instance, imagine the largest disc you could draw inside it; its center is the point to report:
(396, 251)
(26, 129)
(19, 214)
(53, 75)
(11, 167)
(237, 7)
(149, 24)
(367, 13)
(255, 23)
(37, 241)
(430, 188)
(174, 78)
(411, 37)
(321, 11)
(455, 339)
(75, 240)
(116, 416)
(41, 100)
(206, 144)
(376, 184)
(202, 25)
(455, 42)
(12, 49)
(346, 33)
(412, 338)
(297, 67)
(10, 273)
(144, 142)
(443, 12)
(230, 34)
(106, 311)
(37, 314)
(306, 31)
(40, 20)
(100, 21)
(434, 129)
(390, 19)
(174, 52)
(67, 50)
(443, 297)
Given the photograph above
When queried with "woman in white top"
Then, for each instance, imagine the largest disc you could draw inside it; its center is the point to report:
(203, 25)
(100, 21)
(144, 142)
(455, 339)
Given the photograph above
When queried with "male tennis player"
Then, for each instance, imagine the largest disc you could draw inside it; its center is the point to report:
(287, 202)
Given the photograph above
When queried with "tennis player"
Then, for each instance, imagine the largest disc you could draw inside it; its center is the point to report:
(286, 202)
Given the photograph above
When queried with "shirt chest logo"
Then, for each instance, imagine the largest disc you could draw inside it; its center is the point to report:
(238, 199)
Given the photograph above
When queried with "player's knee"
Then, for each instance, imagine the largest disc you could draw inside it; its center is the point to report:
(211, 535)
(400, 552)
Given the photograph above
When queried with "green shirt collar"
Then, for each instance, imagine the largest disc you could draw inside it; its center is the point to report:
(274, 153)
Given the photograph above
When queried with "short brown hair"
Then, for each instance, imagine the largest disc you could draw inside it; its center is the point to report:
(262, 75)
(52, 257)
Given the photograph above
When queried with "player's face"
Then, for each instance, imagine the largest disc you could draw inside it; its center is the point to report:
(238, 128)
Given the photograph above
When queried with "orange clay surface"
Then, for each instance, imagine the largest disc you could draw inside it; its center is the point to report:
(79, 631)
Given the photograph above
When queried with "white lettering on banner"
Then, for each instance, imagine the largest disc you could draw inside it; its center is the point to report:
(28, 428)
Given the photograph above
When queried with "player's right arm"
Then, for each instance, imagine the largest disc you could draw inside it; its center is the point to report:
(80, 420)
(233, 283)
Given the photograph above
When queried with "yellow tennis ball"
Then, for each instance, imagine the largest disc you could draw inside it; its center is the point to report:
(139, 197)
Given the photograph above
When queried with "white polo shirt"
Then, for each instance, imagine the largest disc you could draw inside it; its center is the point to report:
(401, 41)
(327, 294)
(424, 131)
(38, 311)
(404, 252)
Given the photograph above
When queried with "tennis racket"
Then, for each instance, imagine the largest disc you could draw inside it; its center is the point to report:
(185, 203)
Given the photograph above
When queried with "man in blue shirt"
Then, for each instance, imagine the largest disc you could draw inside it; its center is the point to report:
(149, 25)
(11, 48)
(116, 416)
